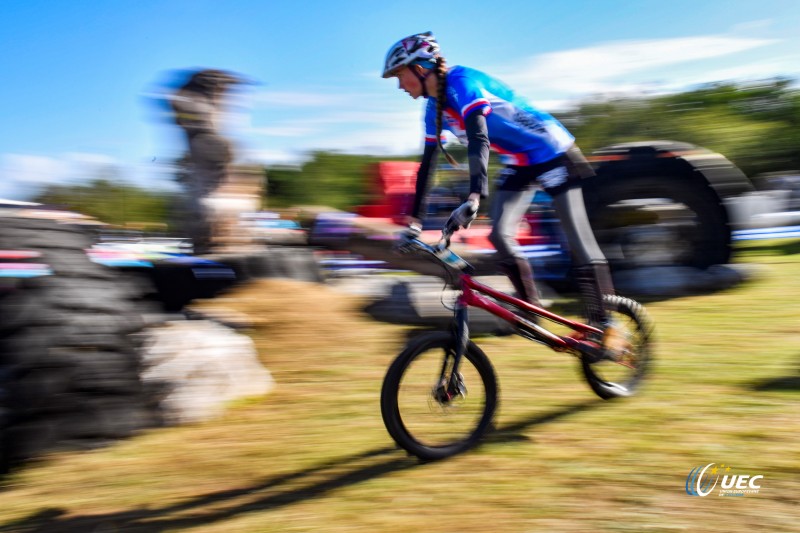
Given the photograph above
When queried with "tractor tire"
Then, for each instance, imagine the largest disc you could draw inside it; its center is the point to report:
(69, 371)
(661, 204)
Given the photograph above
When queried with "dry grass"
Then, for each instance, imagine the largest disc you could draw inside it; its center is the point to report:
(314, 456)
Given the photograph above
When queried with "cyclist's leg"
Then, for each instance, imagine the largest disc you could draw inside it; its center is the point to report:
(591, 267)
(592, 272)
(506, 210)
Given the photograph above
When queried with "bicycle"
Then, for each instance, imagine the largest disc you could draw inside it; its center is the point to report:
(425, 392)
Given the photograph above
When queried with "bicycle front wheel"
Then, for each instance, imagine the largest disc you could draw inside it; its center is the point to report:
(429, 410)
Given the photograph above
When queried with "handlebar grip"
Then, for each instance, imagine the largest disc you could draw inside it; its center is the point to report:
(463, 216)
(451, 226)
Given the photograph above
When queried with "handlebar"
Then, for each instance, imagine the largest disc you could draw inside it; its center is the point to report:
(460, 218)
(441, 250)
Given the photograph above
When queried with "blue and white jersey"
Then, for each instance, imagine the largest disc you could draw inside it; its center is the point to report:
(520, 133)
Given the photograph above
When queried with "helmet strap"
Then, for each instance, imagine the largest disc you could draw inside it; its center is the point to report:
(422, 79)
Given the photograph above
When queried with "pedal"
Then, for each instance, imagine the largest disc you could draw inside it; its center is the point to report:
(591, 352)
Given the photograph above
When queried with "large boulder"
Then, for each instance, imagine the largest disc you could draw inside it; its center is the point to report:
(193, 368)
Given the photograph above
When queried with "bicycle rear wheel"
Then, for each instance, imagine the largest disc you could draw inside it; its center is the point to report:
(620, 375)
(433, 414)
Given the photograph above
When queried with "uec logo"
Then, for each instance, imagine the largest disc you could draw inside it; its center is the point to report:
(700, 484)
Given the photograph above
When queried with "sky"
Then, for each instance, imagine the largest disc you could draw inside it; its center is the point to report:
(80, 78)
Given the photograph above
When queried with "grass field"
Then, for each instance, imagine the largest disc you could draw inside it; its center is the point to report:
(314, 456)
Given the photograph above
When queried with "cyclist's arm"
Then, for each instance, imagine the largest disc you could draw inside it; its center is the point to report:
(478, 157)
(478, 154)
(429, 158)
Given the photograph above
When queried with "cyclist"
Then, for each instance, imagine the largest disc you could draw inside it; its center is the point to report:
(536, 149)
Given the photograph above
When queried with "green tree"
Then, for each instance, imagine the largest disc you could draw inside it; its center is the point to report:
(754, 125)
(109, 202)
(327, 178)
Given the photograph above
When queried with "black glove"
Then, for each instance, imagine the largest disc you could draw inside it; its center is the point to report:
(405, 237)
(463, 215)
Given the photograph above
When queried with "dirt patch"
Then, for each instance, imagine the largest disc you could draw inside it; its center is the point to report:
(288, 316)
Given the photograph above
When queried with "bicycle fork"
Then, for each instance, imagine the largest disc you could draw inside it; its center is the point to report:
(454, 386)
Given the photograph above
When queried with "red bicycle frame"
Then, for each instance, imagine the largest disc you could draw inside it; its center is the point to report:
(472, 295)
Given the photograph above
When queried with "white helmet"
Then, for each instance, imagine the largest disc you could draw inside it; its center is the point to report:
(419, 49)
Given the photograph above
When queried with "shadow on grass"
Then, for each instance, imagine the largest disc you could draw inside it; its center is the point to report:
(271, 493)
(789, 383)
(782, 247)
(514, 430)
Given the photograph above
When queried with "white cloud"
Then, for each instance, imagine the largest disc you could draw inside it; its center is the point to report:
(31, 168)
(398, 139)
(620, 65)
(551, 106)
(280, 130)
(272, 157)
(24, 175)
(81, 158)
(378, 123)
(296, 99)
(747, 71)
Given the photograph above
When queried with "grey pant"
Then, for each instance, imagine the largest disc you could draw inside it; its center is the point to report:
(506, 211)
(508, 208)
(571, 212)
(591, 268)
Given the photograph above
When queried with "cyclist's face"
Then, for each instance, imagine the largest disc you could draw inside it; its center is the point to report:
(409, 82)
